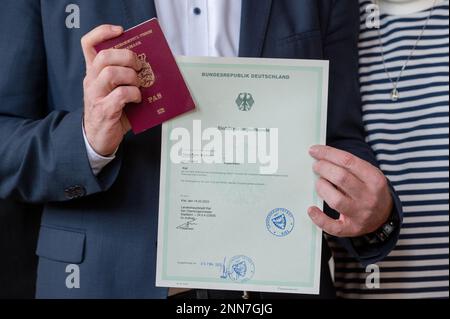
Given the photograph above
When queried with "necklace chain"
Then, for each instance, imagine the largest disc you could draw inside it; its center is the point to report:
(395, 96)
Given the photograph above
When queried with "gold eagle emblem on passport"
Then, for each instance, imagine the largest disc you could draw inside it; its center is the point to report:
(146, 76)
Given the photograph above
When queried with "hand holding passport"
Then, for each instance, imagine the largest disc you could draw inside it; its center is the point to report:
(132, 81)
(164, 92)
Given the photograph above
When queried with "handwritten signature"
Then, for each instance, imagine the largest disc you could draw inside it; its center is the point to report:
(224, 269)
(188, 225)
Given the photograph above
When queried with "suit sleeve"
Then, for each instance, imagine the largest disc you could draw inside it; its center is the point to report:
(345, 127)
(42, 152)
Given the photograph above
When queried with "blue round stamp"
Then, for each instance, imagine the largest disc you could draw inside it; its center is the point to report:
(280, 222)
(241, 268)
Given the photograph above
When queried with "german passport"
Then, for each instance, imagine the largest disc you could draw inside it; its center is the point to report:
(165, 94)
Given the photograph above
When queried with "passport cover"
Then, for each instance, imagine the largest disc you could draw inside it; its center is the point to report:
(165, 94)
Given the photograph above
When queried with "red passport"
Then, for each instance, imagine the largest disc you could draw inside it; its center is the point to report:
(165, 94)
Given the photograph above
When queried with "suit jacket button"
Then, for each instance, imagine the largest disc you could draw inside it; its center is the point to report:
(74, 192)
(80, 191)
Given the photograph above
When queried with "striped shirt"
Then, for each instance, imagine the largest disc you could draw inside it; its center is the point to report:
(410, 138)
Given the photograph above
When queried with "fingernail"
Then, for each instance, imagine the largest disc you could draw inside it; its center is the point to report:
(311, 211)
(313, 150)
(116, 29)
(315, 167)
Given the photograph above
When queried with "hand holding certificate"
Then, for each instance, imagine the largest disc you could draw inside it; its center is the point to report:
(236, 177)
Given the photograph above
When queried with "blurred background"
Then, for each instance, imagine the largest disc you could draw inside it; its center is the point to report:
(19, 227)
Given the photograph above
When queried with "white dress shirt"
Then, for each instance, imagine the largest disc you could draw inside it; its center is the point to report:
(201, 27)
(192, 28)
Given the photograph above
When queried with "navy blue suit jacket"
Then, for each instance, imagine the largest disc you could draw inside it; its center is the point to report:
(108, 224)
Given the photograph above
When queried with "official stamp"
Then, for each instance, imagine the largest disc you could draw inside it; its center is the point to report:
(241, 269)
(280, 222)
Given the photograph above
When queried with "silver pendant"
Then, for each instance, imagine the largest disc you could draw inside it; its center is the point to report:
(395, 96)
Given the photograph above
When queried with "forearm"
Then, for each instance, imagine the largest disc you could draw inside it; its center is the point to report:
(96, 161)
(46, 160)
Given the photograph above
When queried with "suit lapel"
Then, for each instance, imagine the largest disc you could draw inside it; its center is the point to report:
(254, 22)
(138, 11)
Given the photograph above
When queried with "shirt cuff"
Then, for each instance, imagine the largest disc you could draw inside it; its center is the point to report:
(97, 161)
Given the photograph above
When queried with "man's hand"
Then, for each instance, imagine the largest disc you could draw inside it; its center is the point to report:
(352, 187)
(111, 82)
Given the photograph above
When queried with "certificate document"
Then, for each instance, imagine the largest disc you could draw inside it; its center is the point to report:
(237, 179)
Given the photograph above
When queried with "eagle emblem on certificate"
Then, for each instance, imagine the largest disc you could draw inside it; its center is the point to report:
(245, 102)
(146, 75)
